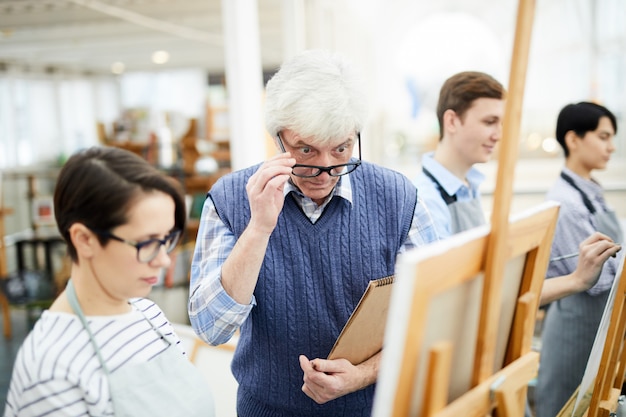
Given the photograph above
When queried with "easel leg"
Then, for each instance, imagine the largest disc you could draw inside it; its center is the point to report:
(6, 316)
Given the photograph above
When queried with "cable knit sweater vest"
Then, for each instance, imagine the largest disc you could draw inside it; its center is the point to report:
(311, 279)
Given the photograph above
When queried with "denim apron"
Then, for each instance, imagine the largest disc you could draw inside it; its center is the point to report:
(168, 385)
(464, 215)
(606, 222)
(570, 328)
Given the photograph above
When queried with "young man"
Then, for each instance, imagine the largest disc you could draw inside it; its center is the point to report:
(585, 131)
(286, 248)
(470, 112)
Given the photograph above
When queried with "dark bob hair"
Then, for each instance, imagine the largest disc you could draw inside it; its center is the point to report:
(97, 187)
(581, 118)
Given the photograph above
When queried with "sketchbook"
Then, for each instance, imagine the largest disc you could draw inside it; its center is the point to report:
(362, 336)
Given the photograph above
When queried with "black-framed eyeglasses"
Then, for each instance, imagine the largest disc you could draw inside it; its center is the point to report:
(310, 171)
(147, 249)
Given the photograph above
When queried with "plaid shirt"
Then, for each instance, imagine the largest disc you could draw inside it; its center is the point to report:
(215, 242)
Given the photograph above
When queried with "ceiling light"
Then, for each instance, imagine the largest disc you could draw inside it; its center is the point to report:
(160, 57)
(118, 68)
(550, 145)
(533, 141)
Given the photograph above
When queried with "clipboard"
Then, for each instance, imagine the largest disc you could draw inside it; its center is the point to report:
(362, 336)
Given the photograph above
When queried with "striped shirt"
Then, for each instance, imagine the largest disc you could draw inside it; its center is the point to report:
(574, 225)
(215, 242)
(57, 372)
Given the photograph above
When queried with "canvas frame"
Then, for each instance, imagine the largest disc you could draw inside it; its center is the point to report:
(422, 370)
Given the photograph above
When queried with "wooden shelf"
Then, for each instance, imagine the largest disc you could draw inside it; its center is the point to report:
(193, 183)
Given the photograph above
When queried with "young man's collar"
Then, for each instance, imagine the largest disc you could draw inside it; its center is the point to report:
(450, 183)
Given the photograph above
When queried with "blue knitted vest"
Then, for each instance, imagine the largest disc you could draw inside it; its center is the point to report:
(312, 277)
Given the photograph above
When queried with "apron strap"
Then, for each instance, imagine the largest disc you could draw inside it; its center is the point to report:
(157, 330)
(586, 200)
(449, 199)
(73, 300)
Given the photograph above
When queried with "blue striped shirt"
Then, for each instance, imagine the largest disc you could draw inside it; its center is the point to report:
(428, 191)
(574, 225)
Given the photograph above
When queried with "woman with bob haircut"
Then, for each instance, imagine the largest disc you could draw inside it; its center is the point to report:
(102, 348)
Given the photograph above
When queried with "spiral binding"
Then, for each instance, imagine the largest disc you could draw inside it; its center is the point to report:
(384, 281)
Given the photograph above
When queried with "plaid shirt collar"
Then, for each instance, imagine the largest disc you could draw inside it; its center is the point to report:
(342, 189)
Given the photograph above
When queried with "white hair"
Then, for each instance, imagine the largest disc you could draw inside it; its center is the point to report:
(316, 94)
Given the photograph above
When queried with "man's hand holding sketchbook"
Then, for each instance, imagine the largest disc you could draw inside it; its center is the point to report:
(362, 336)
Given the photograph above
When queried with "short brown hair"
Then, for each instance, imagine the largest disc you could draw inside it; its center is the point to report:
(97, 186)
(459, 92)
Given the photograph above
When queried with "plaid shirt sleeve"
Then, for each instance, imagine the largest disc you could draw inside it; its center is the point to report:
(213, 314)
(422, 229)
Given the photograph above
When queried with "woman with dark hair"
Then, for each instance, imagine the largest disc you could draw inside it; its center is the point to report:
(101, 348)
(585, 131)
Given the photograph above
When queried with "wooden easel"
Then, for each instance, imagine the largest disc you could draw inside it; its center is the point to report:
(4, 302)
(600, 400)
(500, 392)
(437, 305)
(460, 263)
(496, 253)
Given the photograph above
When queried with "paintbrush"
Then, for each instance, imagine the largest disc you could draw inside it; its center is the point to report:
(571, 255)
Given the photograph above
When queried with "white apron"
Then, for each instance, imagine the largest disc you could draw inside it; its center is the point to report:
(168, 385)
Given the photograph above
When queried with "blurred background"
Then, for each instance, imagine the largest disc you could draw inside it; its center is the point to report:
(180, 82)
(75, 73)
